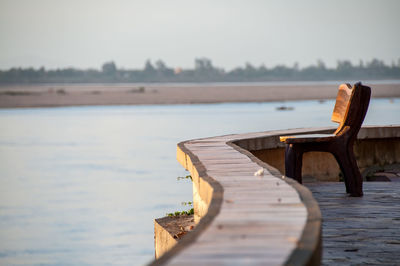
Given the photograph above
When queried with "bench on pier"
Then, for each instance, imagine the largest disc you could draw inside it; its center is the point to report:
(350, 109)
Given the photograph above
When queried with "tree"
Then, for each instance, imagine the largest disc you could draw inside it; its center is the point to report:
(344, 65)
(109, 68)
(148, 67)
(160, 65)
(321, 64)
(203, 64)
(163, 69)
(376, 64)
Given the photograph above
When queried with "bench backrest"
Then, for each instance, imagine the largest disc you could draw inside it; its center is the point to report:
(342, 102)
(351, 107)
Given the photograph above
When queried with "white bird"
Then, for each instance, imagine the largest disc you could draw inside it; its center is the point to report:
(260, 172)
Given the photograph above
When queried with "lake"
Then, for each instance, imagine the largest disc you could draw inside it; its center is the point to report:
(82, 185)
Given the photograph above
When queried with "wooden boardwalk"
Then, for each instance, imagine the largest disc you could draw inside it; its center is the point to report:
(245, 219)
(252, 227)
(360, 231)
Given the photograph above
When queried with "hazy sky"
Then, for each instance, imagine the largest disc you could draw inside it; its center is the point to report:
(87, 33)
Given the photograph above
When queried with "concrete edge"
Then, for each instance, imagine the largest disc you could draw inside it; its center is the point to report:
(160, 231)
(213, 209)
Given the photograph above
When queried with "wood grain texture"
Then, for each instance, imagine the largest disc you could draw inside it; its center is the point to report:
(341, 104)
(306, 138)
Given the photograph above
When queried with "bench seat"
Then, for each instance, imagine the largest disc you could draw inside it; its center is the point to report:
(306, 138)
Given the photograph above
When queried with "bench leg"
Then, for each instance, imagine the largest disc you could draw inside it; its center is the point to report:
(293, 162)
(352, 176)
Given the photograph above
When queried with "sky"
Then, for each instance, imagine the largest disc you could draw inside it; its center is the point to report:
(86, 33)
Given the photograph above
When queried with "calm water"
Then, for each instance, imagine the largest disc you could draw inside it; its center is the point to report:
(82, 185)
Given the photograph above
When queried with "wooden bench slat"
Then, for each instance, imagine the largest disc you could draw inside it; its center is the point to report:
(342, 102)
(306, 138)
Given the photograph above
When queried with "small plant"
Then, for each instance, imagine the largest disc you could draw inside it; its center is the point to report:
(178, 213)
(184, 203)
(184, 177)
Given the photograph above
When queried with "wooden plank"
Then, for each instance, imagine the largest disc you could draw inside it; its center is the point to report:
(341, 104)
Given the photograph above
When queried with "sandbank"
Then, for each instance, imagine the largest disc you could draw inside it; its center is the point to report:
(16, 96)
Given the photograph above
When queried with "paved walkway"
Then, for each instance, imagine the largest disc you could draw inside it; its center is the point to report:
(360, 230)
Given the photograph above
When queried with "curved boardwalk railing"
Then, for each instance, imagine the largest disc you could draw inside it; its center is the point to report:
(243, 218)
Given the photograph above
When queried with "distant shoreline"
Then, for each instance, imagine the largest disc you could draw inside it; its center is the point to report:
(197, 84)
(53, 95)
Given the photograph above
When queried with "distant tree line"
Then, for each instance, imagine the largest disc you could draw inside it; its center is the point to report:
(204, 71)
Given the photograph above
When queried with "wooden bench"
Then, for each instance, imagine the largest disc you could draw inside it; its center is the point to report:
(350, 110)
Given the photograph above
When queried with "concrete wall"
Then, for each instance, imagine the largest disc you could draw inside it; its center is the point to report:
(373, 148)
(168, 230)
(163, 239)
